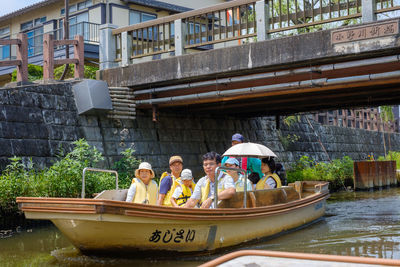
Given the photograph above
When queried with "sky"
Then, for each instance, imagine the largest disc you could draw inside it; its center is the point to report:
(8, 6)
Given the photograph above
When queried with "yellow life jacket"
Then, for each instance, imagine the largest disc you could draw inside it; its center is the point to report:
(145, 194)
(186, 193)
(261, 184)
(205, 190)
(239, 185)
(167, 198)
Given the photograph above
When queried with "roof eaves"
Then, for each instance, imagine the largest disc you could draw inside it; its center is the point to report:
(27, 9)
(159, 4)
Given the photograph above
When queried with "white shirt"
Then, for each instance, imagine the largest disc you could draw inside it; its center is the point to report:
(226, 181)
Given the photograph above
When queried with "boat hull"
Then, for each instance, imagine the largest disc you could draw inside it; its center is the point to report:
(95, 226)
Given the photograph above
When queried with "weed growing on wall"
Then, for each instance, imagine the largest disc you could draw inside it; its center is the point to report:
(63, 178)
(338, 173)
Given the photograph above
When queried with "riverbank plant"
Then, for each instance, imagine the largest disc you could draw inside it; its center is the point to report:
(392, 155)
(63, 178)
(339, 172)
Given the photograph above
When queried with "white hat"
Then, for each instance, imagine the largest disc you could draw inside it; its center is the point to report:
(186, 174)
(144, 166)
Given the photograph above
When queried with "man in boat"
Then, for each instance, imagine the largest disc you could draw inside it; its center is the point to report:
(143, 189)
(183, 189)
(270, 179)
(203, 193)
(252, 165)
(167, 181)
(238, 178)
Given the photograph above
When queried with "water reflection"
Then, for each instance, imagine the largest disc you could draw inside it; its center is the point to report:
(356, 224)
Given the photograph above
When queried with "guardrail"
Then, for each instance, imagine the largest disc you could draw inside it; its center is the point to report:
(22, 56)
(97, 170)
(48, 56)
(242, 20)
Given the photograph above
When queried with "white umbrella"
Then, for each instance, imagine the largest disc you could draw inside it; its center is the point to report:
(250, 150)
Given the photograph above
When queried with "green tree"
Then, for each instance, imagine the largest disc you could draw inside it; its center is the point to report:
(387, 116)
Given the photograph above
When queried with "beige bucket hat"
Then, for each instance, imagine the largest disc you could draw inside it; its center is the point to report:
(144, 166)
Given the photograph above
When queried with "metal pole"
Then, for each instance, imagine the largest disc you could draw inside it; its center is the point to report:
(97, 170)
(66, 37)
(217, 170)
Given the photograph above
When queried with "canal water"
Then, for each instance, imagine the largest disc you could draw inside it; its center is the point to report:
(356, 224)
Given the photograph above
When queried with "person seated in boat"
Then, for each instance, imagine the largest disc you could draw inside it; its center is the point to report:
(167, 181)
(238, 178)
(143, 189)
(270, 179)
(252, 165)
(203, 194)
(183, 189)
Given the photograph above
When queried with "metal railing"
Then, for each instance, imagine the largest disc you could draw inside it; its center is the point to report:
(242, 20)
(97, 170)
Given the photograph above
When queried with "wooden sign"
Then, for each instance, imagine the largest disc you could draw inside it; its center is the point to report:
(365, 32)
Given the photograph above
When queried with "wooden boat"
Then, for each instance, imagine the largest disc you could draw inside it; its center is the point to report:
(278, 259)
(107, 223)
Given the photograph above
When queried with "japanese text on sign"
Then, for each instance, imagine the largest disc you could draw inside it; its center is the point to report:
(174, 235)
(366, 32)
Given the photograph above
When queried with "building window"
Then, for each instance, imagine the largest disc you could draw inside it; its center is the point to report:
(138, 17)
(4, 31)
(32, 23)
(79, 6)
(5, 50)
(35, 42)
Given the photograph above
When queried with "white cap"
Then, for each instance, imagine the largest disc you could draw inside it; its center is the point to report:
(144, 166)
(186, 174)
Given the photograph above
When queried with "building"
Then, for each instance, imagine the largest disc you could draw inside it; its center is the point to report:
(85, 17)
(364, 118)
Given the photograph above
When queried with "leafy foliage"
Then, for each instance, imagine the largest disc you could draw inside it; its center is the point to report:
(338, 173)
(63, 178)
(126, 167)
(35, 72)
(392, 155)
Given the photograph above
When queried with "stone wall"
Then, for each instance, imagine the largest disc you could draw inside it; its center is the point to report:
(36, 121)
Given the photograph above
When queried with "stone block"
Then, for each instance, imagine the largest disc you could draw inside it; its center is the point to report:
(88, 121)
(48, 101)
(4, 97)
(42, 148)
(61, 103)
(111, 148)
(23, 114)
(6, 131)
(5, 148)
(70, 133)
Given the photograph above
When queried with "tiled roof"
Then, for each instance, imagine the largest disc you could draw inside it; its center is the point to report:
(28, 9)
(158, 4)
(149, 3)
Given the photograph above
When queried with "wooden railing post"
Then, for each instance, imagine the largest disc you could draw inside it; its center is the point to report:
(126, 40)
(48, 57)
(22, 55)
(262, 18)
(180, 34)
(79, 54)
(368, 10)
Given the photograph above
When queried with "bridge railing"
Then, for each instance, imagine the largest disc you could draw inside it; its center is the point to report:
(22, 56)
(242, 20)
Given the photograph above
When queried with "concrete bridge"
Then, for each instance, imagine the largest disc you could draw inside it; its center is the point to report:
(249, 70)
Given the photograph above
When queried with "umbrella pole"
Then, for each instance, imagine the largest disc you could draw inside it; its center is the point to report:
(216, 187)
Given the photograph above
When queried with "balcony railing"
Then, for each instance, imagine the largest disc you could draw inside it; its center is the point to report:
(89, 31)
(242, 20)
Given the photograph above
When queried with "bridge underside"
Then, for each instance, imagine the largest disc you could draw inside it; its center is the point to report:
(316, 88)
(300, 73)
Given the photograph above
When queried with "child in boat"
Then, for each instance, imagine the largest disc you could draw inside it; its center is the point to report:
(143, 189)
(270, 179)
(183, 189)
(238, 178)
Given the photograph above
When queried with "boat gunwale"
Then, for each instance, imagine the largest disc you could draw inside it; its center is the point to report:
(151, 211)
(300, 256)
